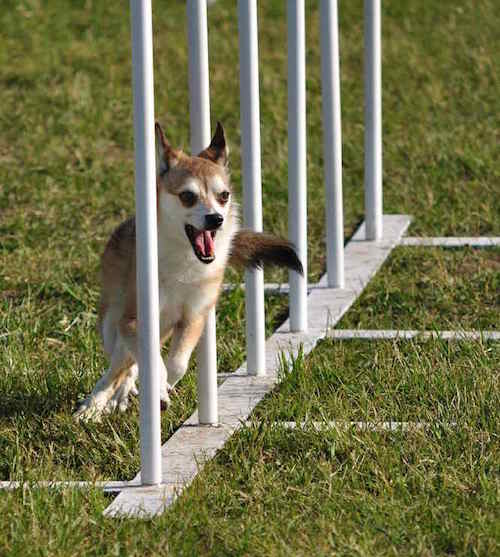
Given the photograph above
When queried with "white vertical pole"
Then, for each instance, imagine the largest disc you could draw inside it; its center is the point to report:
(147, 250)
(297, 179)
(207, 373)
(332, 137)
(252, 188)
(199, 111)
(373, 120)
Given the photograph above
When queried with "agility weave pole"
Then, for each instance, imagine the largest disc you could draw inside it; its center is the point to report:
(199, 117)
(252, 179)
(147, 249)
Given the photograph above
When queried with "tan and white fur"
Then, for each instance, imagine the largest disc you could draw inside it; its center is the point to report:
(198, 235)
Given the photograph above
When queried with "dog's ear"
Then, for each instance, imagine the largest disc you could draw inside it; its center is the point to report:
(217, 151)
(166, 156)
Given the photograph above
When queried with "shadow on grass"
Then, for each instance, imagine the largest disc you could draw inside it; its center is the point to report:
(35, 405)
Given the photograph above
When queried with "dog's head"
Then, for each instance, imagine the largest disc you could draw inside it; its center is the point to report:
(194, 195)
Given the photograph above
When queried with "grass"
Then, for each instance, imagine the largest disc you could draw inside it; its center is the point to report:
(66, 180)
(429, 381)
(280, 492)
(443, 289)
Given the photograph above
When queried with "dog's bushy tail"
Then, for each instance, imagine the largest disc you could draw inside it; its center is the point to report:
(255, 249)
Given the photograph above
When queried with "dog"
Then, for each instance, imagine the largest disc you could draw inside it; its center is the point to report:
(198, 237)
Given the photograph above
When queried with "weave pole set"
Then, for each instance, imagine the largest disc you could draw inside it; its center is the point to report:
(145, 176)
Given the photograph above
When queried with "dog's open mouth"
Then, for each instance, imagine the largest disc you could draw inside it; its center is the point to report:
(203, 243)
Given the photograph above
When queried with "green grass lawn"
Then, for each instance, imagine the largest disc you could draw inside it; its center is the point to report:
(66, 180)
(442, 289)
(427, 381)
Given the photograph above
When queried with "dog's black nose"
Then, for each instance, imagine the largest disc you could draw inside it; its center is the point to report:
(213, 221)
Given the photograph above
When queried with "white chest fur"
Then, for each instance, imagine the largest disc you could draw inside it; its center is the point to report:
(186, 288)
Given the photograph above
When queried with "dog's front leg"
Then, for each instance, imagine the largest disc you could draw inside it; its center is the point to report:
(128, 329)
(185, 337)
(96, 403)
(128, 386)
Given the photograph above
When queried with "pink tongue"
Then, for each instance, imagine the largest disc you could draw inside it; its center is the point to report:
(205, 243)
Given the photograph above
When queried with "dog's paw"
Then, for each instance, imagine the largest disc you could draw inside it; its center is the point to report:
(121, 396)
(91, 409)
(165, 398)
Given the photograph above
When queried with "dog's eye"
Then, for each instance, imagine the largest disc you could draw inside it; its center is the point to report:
(188, 198)
(223, 197)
